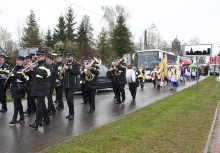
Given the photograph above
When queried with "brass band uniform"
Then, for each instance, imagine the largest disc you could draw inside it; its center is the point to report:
(52, 78)
(4, 71)
(82, 81)
(40, 89)
(90, 76)
(31, 103)
(71, 70)
(59, 82)
(17, 80)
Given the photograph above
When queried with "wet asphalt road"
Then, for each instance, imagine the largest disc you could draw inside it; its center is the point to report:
(21, 138)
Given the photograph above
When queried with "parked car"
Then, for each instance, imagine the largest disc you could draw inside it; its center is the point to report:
(103, 81)
(214, 70)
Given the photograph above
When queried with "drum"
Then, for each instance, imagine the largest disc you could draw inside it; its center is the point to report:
(130, 76)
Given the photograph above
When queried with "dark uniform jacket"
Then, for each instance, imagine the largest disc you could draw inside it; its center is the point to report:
(120, 77)
(4, 70)
(17, 81)
(54, 74)
(70, 75)
(40, 85)
(93, 84)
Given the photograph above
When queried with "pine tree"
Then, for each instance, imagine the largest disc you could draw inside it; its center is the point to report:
(85, 37)
(59, 32)
(70, 25)
(31, 35)
(104, 47)
(49, 39)
(120, 38)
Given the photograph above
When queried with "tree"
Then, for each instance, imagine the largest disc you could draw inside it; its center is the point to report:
(31, 35)
(70, 25)
(85, 37)
(59, 31)
(194, 41)
(120, 38)
(5, 37)
(104, 48)
(49, 39)
(110, 15)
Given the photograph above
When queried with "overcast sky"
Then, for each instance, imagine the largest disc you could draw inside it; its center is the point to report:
(182, 18)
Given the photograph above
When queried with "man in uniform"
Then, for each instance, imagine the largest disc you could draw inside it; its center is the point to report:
(82, 81)
(59, 82)
(17, 79)
(71, 70)
(40, 88)
(90, 75)
(119, 81)
(53, 77)
(31, 104)
(4, 72)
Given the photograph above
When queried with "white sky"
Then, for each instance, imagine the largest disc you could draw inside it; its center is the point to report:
(182, 18)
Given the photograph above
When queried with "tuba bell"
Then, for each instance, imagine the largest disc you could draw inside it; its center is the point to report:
(119, 63)
(89, 76)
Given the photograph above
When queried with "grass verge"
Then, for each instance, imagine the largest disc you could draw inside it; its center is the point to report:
(175, 124)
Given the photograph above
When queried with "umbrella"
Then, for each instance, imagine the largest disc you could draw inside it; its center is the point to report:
(193, 65)
(152, 64)
(186, 63)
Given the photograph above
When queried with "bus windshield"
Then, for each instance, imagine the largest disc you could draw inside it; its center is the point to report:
(145, 58)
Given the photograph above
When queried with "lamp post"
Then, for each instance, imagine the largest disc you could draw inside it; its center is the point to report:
(145, 37)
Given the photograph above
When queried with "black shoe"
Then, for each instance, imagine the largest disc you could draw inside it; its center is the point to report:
(27, 112)
(45, 123)
(3, 110)
(34, 126)
(13, 121)
(67, 116)
(21, 120)
(71, 117)
(133, 99)
(55, 102)
(59, 107)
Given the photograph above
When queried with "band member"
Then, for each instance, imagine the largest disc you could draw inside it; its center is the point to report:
(90, 76)
(4, 72)
(40, 89)
(142, 76)
(32, 56)
(31, 104)
(17, 79)
(110, 75)
(133, 85)
(59, 82)
(53, 77)
(71, 70)
(119, 81)
(82, 81)
(156, 77)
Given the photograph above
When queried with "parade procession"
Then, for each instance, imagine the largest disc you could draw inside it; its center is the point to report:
(45, 78)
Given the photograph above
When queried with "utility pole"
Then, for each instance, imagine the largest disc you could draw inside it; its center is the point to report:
(145, 37)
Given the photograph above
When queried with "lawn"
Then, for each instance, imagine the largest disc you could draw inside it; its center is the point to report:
(175, 124)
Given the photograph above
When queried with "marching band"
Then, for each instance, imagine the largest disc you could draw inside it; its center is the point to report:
(39, 76)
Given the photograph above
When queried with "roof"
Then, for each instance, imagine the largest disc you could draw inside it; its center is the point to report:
(155, 50)
(176, 40)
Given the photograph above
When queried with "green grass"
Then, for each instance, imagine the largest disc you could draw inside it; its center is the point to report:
(175, 124)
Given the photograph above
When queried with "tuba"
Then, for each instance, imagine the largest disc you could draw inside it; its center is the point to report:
(89, 76)
(118, 63)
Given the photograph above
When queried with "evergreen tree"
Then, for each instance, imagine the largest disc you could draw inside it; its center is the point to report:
(104, 47)
(85, 37)
(60, 34)
(120, 38)
(49, 39)
(31, 35)
(70, 25)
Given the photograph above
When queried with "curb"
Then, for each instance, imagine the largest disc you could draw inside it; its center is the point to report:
(208, 142)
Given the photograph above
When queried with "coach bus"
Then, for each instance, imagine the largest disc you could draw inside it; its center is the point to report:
(149, 58)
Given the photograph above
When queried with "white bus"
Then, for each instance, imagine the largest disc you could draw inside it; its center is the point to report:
(148, 58)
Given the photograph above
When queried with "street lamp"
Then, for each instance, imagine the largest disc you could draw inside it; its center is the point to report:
(145, 36)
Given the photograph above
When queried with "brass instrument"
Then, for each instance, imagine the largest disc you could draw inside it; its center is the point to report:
(58, 81)
(28, 66)
(118, 63)
(89, 76)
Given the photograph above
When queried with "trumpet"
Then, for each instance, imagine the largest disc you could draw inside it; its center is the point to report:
(28, 66)
(89, 76)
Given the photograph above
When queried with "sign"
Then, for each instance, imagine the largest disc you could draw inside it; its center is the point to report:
(25, 52)
(198, 50)
(214, 60)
